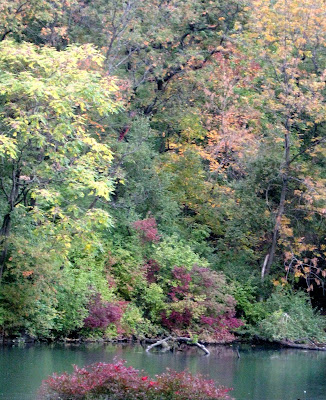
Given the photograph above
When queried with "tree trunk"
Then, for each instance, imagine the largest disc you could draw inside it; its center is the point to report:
(4, 234)
(303, 346)
(271, 254)
(6, 224)
(280, 212)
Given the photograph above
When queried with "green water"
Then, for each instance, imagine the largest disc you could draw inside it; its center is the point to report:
(259, 374)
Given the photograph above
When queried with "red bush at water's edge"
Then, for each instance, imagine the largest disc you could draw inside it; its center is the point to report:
(119, 382)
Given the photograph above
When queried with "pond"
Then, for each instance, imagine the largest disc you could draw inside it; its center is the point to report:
(259, 373)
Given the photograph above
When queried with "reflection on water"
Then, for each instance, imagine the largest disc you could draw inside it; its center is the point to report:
(259, 374)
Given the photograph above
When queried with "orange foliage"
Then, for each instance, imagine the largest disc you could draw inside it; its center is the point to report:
(230, 120)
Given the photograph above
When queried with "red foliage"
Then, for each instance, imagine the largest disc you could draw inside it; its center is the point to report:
(102, 313)
(219, 329)
(118, 382)
(223, 322)
(152, 269)
(177, 320)
(204, 288)
(180, 291)
(147, 228)
(123, 133)
(204, 277)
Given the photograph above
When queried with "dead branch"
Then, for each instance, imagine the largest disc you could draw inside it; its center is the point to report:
(179, 339)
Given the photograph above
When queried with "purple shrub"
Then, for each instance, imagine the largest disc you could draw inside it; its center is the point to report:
(102, 313)
(152, 270)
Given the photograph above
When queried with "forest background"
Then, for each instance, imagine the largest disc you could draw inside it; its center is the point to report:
(162, 168)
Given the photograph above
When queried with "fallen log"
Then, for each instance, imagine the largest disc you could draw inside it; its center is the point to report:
(179, 339)
(303, 346)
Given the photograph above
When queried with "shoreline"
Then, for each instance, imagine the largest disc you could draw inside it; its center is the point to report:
(257, 342)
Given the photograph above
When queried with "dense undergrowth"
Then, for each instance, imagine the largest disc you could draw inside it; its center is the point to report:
(162, 169)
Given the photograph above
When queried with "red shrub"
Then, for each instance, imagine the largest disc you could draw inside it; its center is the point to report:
(118, 382)
(147, 228)
(180, 291)
(177, 320)
(205, 289)
(220, 328)
(223, 322)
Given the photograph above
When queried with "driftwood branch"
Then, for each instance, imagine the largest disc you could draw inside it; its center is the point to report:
(179, 339)
(202, 347)
(159, 343)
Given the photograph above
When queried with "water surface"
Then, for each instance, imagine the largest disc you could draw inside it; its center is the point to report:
(259, 373)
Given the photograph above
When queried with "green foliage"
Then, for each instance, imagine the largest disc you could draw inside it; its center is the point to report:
(153, 301)
(125, 267)
(141, 189)
(246, 296)
(48, 100)
(173, 252)
(132, 319)
(81, 278)
(289, 316)
(133, 324)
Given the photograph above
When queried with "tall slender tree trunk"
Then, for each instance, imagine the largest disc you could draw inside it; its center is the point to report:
(6, 224)
(4, 234)
(269, 258)
(271, 254)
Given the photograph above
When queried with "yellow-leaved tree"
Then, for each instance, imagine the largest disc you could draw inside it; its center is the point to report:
(54, 164)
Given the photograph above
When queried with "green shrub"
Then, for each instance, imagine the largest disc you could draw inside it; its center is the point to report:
(291, 317)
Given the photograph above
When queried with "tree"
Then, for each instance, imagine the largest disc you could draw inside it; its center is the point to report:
(53, 160)
(37, 21)
(289, 37)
